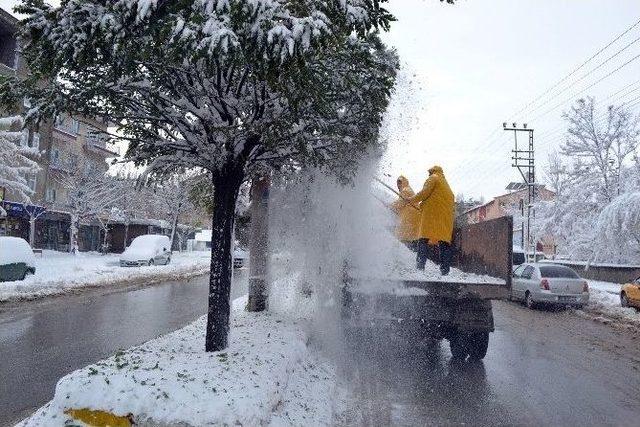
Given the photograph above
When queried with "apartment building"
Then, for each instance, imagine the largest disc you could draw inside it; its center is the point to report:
(63, 142)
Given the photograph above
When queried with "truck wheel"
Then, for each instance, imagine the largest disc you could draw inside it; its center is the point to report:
(458, 346)
(478, 344)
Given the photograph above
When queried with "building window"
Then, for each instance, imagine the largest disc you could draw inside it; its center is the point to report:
(51, 195)
(55, 155)
(75, 126)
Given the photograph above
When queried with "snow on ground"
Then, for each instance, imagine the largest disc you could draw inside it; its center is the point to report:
(604, 303)
(267, 376)
(59, 272)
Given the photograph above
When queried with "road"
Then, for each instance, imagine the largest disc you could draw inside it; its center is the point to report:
(44, 340)
(542, 368)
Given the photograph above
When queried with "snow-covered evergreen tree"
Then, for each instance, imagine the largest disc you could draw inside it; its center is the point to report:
(16, 163)
(232, 87)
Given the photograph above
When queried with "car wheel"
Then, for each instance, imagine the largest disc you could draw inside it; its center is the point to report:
(478, 344)
(528, 301)
(624, 301)
(151, 262)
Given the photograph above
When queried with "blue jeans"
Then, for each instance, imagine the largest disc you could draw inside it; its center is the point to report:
(444, 255)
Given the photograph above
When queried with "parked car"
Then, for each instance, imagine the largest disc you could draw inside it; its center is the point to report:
(148, 249)
(536, 283)
(630, 294)
(16, 259)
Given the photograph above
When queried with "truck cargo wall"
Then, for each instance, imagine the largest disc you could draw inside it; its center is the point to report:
(485, 248)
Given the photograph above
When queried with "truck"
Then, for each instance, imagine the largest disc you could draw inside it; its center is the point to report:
(431, 309)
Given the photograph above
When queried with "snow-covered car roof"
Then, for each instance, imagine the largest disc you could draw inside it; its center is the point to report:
(14, 250)
(150, 240)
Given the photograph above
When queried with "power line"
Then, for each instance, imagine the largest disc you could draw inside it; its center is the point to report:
(585, 75)
(579, 67)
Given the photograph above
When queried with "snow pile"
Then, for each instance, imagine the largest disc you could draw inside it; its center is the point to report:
(266, 376)
(59, 272)
(604, 300)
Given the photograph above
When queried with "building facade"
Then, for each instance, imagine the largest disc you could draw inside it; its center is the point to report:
(510, 204)
(63, 142)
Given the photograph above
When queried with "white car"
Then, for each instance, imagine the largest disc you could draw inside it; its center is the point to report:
(148, 249)
(541, 283)
(16, 259)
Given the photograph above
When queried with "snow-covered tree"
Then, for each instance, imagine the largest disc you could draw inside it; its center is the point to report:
(618, 229)
(16, 163)
(594, 169)
(174, 198)
(231, 87)
(601, 147)
(90, 193)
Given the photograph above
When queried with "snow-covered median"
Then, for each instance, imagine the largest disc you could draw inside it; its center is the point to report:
(59, 272)
(267, 376)
(604, 302)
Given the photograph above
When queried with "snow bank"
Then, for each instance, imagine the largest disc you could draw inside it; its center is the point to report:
(267, 375)
(59, 272)
(604, 301)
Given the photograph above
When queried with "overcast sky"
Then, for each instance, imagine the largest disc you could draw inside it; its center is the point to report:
(471, 66)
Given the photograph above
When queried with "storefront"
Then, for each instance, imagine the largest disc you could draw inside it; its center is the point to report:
(52, 231)
(16, 221)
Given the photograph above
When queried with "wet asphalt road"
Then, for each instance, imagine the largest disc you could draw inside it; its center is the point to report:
(42, 341)
(543, 368)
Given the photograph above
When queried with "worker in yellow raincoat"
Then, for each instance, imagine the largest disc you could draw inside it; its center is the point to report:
(408, 215)
(436, 222)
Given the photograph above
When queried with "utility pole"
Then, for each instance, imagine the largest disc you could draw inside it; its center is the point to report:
(524, 160)
(258, 245)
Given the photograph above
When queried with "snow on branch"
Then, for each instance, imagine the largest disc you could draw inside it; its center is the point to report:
(16, 158)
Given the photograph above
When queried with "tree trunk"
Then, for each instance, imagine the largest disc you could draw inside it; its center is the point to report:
(224, 204)
(174, 225)
(73, 234)
(126, 235)
(258, 246)
(32, 231)
(104, 241)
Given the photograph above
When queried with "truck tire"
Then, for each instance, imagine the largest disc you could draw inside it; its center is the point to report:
(458, 347)
(469, 343)
(478, 344)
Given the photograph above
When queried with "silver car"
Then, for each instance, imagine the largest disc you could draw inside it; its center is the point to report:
(540, 283)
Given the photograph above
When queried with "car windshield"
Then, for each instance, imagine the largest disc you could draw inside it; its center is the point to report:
(558, 271)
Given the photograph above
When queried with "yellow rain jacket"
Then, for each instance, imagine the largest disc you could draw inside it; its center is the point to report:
(408, 216)
(437, 204)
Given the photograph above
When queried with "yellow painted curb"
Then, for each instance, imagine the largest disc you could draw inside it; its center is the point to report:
(98, 418)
